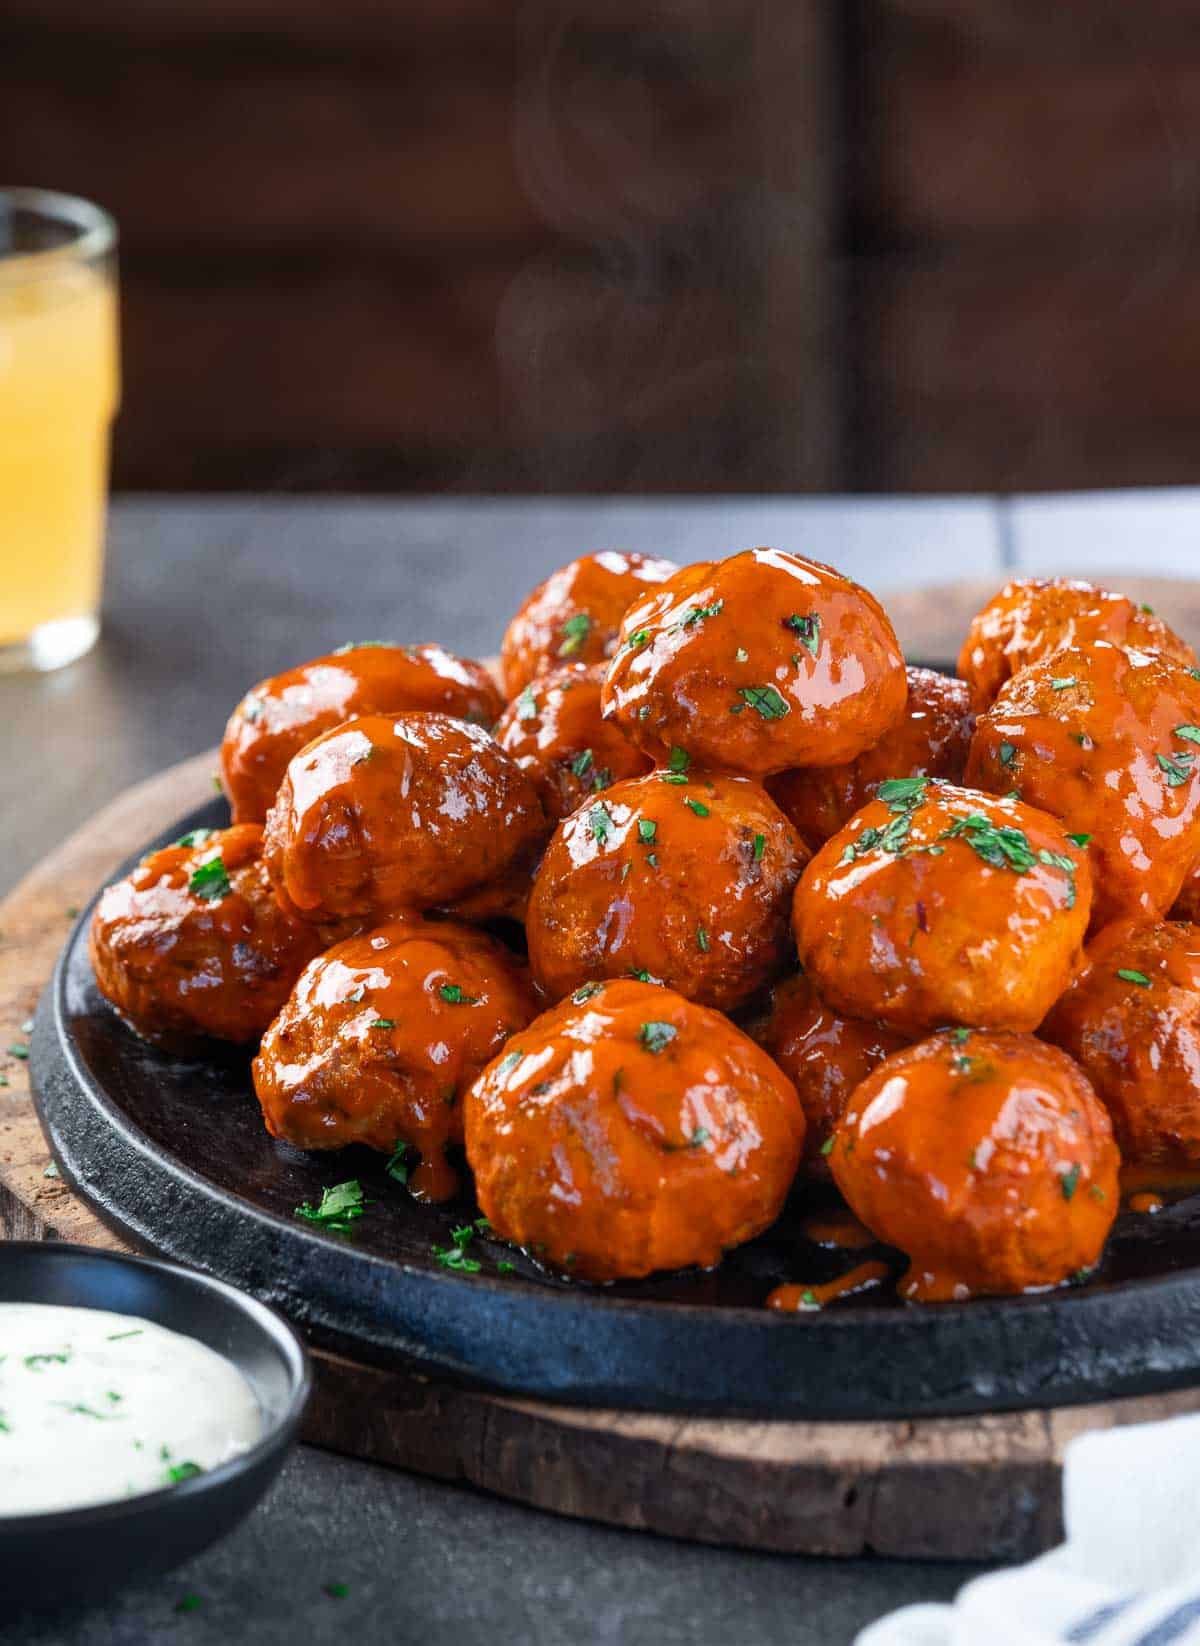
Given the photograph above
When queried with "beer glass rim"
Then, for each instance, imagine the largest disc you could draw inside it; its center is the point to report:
(94, 231)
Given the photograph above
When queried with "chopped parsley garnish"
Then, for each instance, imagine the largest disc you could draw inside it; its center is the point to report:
(960, 1036)
(504, 1267)
(699, 1137)
(1062, 682)
(183, 1471)
(526, 704)
(384, 1023)
(116, 1337)
(697, 806)
(583, 763)
(702, 939)
(196, 837)
(210, 881)
(1128, 975)
(455, 1256)
(760, 842)
(640, 975)
(656, 1037)
(765, 700)
(1177, 768)
(1190, 734)
(902, 793)
(1080, 840)
(17, 1050)
(1069, 1182)
(827, 1146)
(38, 1363)
(678, 760)
(600, 823)
(638, 639)
(575, 632)
(807, 630)
(697, 614)
(647, 830)
(510, 1060)
(339, 1208)
(585, 992)
(1008, 753)
(337, 1591)
(397, 1165)
(78, 1409)
(453, 995)
(672, 777)
(1002, 848)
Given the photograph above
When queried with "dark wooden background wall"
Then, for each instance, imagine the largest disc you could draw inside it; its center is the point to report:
(646, 245)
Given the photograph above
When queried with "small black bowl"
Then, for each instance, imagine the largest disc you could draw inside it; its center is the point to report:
(69, 1555)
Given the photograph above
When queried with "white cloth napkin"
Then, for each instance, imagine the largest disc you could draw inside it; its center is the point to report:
(1128, 1574)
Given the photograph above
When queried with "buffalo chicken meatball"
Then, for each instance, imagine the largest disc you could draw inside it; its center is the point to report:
(192, 943)
(392, 813)
(1132, 1022)
(986, 1158)
(279, 716)
(1107, 740)
(573, 617)
(824, 1056)
(938, 905)
(930, 740)
(757, 664)
(685, 879)
(553, 729)
(629, 1131)
(1034, 617)
(381, 1038)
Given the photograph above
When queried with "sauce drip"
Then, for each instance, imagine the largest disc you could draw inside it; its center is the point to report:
(1141, 1185)
(1145, 1201)
(839, 1229)
(797, 1298)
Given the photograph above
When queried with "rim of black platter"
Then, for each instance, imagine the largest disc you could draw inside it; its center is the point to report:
(174, 1155)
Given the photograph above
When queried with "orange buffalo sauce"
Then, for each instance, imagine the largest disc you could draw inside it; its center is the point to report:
(798, 1298)
(1150, 1188)
(841, 1229)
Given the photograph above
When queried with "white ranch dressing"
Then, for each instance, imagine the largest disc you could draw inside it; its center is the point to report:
(97, 1406)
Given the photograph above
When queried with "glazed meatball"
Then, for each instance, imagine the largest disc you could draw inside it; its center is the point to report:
(383, 1035)
(279, 716)
(1187, 904)
(931, 740)
(392, 813)
(1108, 740)
(939, 905)
(757, 664)
(629, 1131)
(1132, 1021)
(573, 617)
(824, 1056)
(986, 1158)
(1034, 617)
(553, 729)
(193, 944)
(687, 880)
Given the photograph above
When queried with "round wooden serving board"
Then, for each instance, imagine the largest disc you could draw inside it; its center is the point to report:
(972, 1487)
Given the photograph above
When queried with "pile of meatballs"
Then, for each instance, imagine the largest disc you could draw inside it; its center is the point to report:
(718, 898)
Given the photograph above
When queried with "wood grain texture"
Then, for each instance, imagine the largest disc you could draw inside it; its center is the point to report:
(952, 1487)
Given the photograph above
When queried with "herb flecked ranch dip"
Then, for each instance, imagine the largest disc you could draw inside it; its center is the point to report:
(97, 1406)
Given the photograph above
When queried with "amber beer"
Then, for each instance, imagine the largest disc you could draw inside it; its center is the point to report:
(58, 397)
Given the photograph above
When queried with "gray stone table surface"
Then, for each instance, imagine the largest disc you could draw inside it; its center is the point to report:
(203, 597)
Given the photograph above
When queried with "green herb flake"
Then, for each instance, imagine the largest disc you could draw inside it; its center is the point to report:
(1007, 753)
(697, 806)
(38, 1363)
(656, 1037)
(340, 1207)
(702, 939)
(827, 1146)
(1080, 840)
(583, 763)
(455, 1255)
(1069, 1182)
(575, 632)
(20, 1052)
(453, 995)
(647, 830)
(760, 843)
(210, 880)
(600, 823)
(337, 1591)
(638, 639)
(183, 1471)
(509, 1062)
(526, 704)
(764, 700)
(585, 992)
(902, 793)
(697, 614)
(960, 1036)
(383, 1023)
(1176, 767)
(1001, 848)
(807, 630)
(1128, 975)
(196, 837)
(1190, 734)
(397, 1165)
(504, 1267)
(117, 1337)
(1063, 682)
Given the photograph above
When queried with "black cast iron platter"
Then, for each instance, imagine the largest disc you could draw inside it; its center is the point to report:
(174, 1154)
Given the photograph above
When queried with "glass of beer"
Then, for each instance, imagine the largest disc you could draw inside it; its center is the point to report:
(58, 397)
